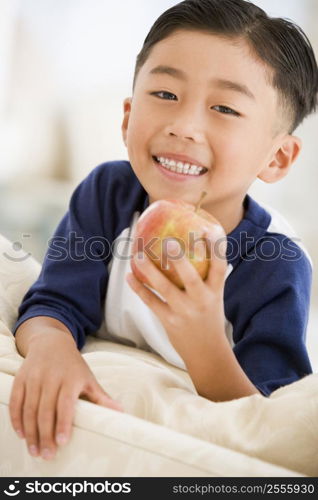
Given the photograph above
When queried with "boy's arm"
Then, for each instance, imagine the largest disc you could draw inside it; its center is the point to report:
(48, 384)
(269, 331)
(215, 371)
(73, 279)
(31, 330)
(66, 303)
(195, 322)
(196, 330)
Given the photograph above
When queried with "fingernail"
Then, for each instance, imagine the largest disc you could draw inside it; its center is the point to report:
(33, 450)
(46, 453)
(140, 257)
(19, 433)
(172, 245)
(61, 439)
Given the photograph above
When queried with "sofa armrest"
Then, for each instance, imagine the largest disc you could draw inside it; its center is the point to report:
(113, 444)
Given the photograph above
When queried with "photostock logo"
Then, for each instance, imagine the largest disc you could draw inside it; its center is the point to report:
(12, 490)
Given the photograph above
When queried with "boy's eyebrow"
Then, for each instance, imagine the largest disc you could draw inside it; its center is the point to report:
(217, 82)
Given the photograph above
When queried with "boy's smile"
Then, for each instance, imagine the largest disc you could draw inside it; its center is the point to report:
(203, 117)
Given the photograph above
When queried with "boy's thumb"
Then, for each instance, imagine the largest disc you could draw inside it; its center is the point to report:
(98, 396)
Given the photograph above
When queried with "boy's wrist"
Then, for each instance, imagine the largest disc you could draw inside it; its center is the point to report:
(35, 329)
(217, 375)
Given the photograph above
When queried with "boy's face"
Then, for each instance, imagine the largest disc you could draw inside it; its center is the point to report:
(203, 100)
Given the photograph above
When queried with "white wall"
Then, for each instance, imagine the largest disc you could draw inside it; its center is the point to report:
(73, 65)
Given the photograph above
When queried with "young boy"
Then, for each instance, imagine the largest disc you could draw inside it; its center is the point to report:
(219, 89)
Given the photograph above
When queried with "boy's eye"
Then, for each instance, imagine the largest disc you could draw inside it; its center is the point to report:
(164, 95)
(168, 96)
(226, 110)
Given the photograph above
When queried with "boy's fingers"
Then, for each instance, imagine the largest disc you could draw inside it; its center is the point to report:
(96, 394)
(148, 297)
(157, 280)
(16, 405)
(187, 273)
(46, 421)
(65, 410)
(30, 410)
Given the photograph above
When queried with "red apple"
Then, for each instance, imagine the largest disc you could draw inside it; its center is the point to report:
(174, 219)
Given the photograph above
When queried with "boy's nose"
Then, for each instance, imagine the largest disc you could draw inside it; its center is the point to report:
(188, 125)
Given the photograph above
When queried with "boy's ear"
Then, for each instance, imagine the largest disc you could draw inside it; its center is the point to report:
(282, 159)
(124, 126)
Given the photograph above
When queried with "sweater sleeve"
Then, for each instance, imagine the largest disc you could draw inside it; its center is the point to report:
(272, 317)
(73, 280)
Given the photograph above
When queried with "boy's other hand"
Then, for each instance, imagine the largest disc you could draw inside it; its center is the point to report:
(51, 379)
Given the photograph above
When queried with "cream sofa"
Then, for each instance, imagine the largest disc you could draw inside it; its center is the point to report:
(167, 429)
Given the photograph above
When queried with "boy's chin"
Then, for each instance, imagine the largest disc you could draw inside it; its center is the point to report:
(172, 195)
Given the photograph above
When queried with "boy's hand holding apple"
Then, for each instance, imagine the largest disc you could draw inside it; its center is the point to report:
(188, 272)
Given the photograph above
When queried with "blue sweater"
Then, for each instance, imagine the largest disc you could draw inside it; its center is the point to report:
(267, 291)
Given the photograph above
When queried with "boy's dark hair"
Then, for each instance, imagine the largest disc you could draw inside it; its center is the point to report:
(279, 42)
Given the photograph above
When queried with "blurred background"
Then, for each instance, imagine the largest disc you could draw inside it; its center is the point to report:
(66, 67)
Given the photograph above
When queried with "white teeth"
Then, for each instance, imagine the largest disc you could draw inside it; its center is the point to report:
(180, 167)
(193, 169)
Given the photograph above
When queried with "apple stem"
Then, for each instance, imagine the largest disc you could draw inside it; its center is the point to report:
(198, 205)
